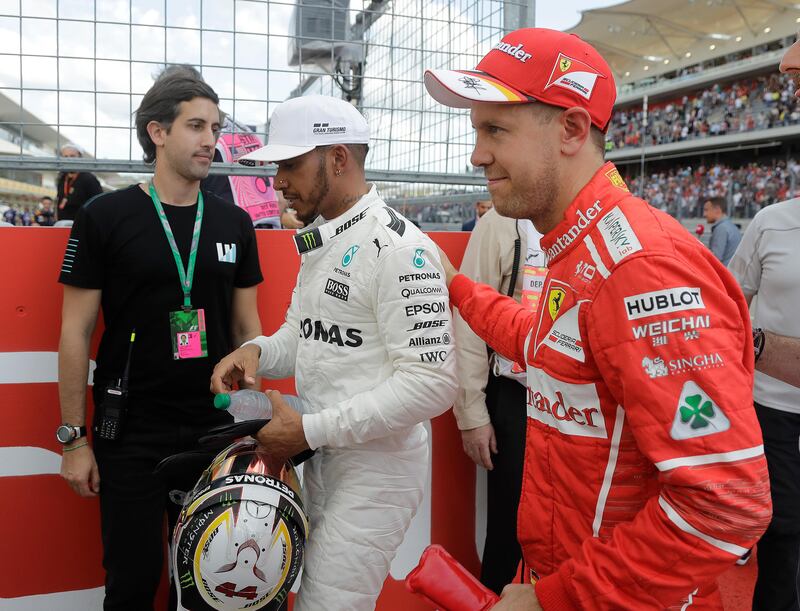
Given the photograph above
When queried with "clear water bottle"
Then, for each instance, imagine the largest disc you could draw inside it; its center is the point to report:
(245, 405)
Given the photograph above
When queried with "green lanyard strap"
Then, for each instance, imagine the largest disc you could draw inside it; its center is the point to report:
(186, 276)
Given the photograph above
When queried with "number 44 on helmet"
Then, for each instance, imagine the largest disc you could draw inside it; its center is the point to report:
(239, 540)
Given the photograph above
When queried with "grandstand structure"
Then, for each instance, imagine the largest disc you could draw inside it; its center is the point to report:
(23, 186)
(702, 110)
(719, 118)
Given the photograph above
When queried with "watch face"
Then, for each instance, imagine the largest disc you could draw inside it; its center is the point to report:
(64, 434)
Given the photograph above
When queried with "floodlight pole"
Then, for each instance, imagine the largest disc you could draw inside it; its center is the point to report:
(643, 144)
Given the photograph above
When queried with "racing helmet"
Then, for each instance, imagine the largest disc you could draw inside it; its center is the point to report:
(238, 542)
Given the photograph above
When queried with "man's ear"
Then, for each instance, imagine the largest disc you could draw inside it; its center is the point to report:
(157, 133)
(576, 125)
(341, 155)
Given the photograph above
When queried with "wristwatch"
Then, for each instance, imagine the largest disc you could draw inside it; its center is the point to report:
(68, 433)
(759, 340)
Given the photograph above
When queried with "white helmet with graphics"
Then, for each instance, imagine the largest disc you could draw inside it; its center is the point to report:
(239, 539)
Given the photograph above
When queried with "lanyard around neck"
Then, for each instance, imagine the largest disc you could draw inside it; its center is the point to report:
(186, 276)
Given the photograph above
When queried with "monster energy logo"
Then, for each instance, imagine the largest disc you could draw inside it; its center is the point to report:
(226, 500)
(308, 240)
(186, 580)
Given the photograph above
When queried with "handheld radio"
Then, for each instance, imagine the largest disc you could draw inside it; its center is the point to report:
(113, 406)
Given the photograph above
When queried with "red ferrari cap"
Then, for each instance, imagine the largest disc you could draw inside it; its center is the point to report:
(529, 65)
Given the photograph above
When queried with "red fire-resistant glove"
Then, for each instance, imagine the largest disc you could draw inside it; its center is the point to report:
(447, 585)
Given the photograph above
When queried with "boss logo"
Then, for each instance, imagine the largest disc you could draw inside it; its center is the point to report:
(337, 289)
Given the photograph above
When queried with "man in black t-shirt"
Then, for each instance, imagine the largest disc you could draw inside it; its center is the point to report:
(179, 267)
(74, 188)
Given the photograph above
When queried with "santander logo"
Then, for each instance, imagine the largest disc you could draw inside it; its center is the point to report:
(570, 235)
(573, 409)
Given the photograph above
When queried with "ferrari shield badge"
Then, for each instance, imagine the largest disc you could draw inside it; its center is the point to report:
(555, 299)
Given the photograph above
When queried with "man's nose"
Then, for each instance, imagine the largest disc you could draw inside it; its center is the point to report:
(791, 59)
(481, 157)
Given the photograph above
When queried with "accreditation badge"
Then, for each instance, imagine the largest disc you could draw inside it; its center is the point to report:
(532, 285)
(187, 329)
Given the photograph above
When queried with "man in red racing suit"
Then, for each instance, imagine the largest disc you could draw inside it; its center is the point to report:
(644, 472)
(644, 475)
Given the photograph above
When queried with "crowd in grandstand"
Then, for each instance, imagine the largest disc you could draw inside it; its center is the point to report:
(761, 102)
(682, 191)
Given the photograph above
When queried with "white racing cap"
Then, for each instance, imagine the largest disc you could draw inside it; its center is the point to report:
(299, 125)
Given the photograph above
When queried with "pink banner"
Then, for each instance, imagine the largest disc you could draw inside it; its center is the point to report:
(253, 193)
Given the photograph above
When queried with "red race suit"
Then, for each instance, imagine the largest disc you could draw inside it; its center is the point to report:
(644, 474)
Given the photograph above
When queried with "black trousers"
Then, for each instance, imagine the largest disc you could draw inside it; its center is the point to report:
(779, 549)
(133, 504)
(505, 400)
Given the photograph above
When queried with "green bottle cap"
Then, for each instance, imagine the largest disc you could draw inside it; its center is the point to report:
(222, 401)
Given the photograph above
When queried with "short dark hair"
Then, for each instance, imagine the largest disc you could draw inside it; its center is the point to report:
(41, 199)
(358, 151)
(176, 84)
(718, 202)
(548, 112)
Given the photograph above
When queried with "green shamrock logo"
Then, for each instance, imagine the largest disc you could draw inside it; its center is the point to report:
(696, 413)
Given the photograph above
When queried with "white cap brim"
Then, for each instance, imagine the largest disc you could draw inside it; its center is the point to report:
(462, 88)
(275, 152)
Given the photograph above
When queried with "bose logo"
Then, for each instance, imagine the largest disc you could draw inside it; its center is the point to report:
(350, 223)
(428, 324)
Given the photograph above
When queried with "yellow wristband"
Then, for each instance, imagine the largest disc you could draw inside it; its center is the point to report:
(66, 449)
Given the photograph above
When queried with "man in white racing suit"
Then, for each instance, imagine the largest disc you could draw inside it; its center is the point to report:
(368, 338)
